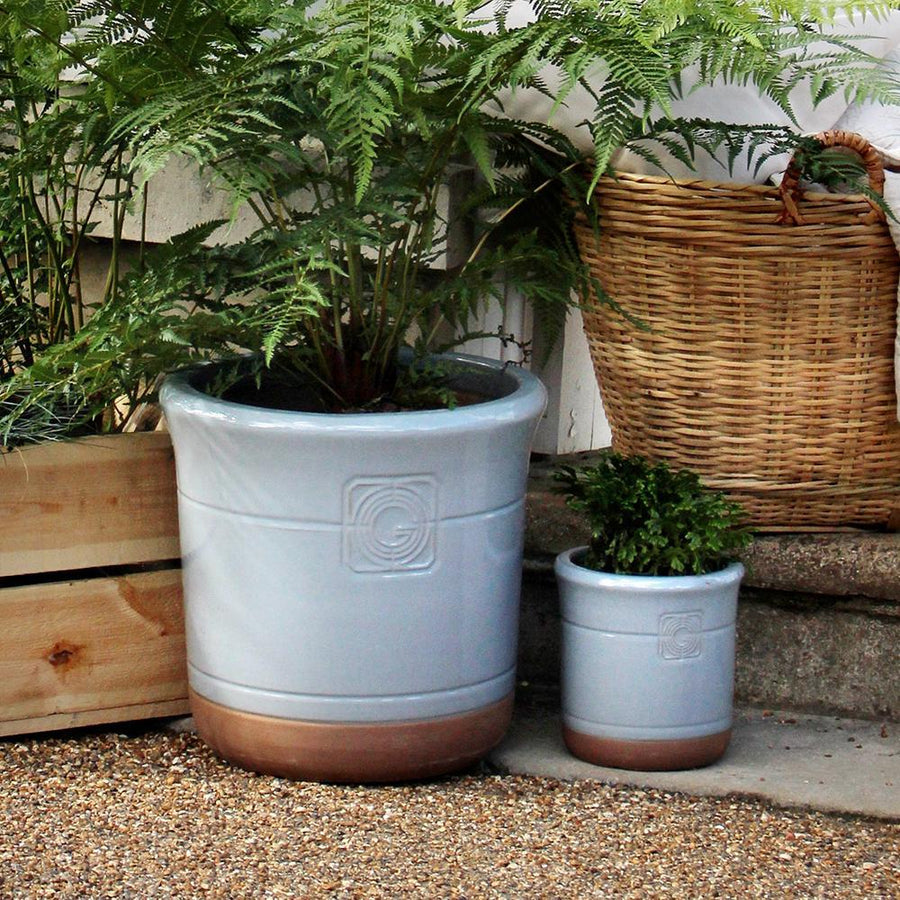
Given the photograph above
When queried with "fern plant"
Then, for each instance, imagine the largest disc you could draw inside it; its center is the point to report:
(61, 170)
(338, 124)
(647, 519)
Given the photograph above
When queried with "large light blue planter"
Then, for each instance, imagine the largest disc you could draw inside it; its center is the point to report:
(352, 581)
(647, 665)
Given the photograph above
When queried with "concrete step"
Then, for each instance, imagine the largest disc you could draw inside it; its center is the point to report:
(818, 618)
(831, 764)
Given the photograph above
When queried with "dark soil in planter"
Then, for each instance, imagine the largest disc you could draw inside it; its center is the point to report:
(274, 393)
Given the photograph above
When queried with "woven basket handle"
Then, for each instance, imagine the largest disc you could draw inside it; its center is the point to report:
(792, 193)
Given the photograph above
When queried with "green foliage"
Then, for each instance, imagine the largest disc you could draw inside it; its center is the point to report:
(682, 138)
(646, 519)
(168, 313)
(59, 167)
(338, 124)
(61, 171)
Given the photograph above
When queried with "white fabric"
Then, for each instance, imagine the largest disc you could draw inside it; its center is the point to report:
(734, 103)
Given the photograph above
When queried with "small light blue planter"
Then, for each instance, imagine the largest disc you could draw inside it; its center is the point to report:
(648, 665)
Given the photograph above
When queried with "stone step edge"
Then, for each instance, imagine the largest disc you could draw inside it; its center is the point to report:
(832, 564)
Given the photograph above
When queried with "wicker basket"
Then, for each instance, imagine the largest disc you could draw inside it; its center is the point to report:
(768, 363)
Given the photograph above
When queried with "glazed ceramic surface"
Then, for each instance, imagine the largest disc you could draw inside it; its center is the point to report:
(647, 658)
(358, 567)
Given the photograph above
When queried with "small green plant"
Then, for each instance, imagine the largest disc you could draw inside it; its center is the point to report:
(647, 519)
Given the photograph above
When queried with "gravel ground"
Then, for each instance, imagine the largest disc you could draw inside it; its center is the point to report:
(155, 814)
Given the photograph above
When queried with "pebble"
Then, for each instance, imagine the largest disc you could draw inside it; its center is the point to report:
(157, 815)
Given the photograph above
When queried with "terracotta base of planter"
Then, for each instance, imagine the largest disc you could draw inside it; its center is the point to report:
(647, 756)
(357, 752)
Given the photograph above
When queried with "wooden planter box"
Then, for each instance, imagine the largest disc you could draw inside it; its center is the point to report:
(91, 620)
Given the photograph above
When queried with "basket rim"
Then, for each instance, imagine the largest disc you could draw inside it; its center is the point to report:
(705, 184)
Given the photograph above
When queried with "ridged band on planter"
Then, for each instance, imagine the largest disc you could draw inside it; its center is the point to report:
(767, 366)
(358, 569)
(648, 665)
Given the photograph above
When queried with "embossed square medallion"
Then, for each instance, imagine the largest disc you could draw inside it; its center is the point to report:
(389, 524)
(681, 635)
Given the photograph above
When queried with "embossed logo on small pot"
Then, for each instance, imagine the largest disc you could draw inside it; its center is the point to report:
(680, 634)
(389, 524)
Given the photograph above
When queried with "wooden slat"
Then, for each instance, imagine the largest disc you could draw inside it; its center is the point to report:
(95, 717)
(99, 501)
(88, 650)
